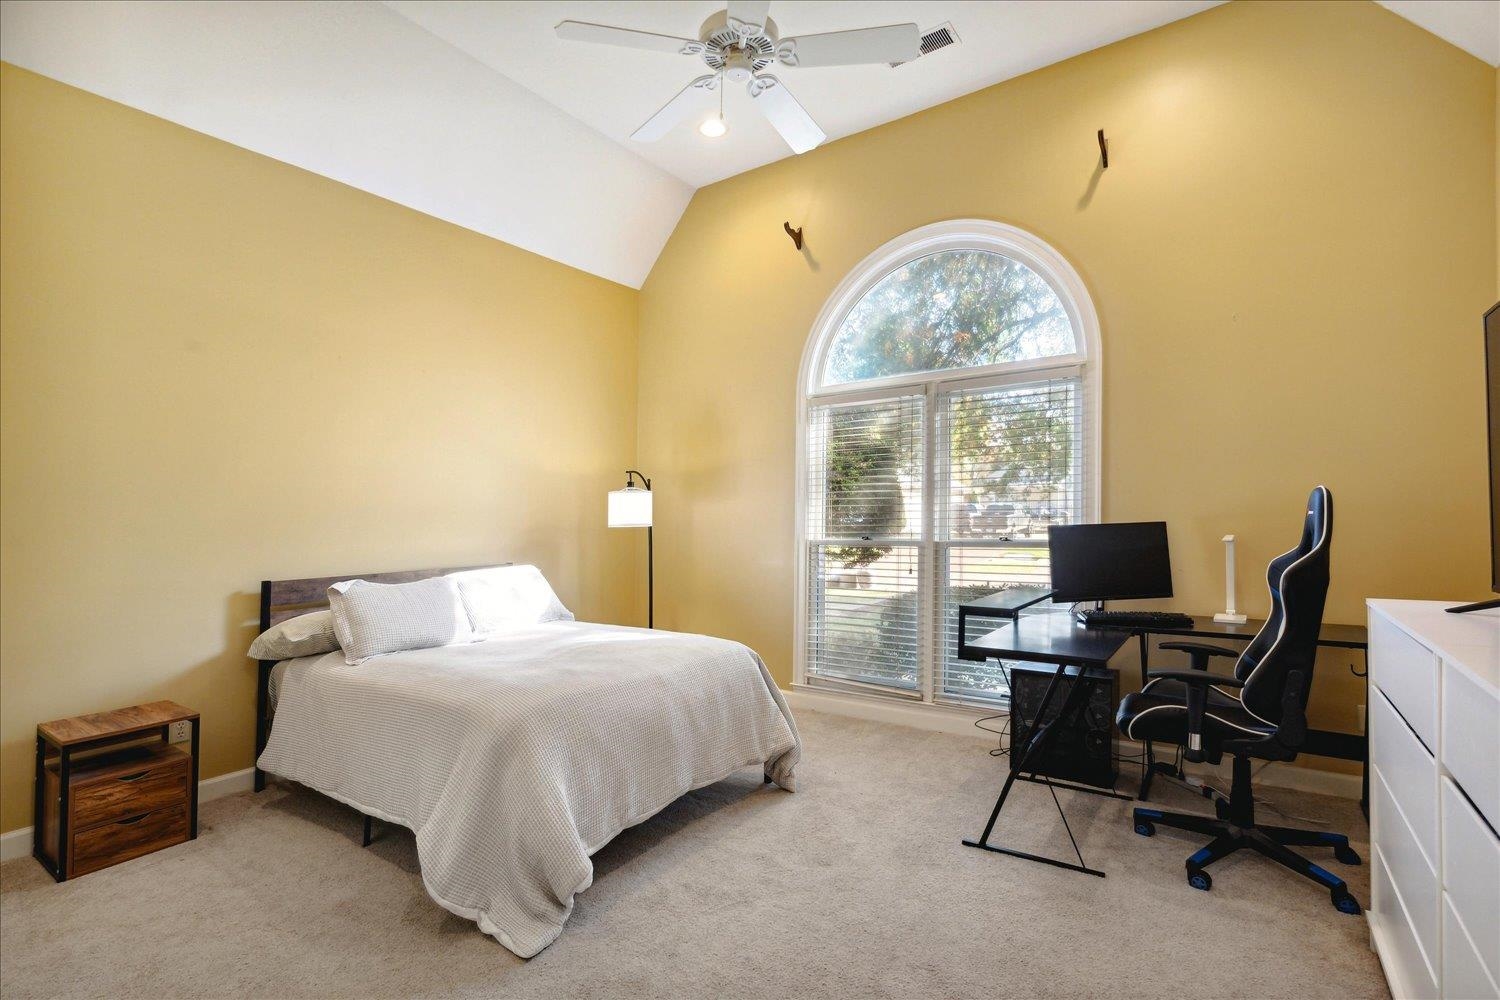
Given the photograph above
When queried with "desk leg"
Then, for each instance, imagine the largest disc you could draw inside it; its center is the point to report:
(1041, 739)
(1038, 731)
(1148, 769)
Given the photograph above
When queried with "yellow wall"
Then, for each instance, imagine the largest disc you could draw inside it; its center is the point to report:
(218, 368)
(1290, 254)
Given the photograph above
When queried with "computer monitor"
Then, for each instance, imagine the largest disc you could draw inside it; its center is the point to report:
(1109, 562)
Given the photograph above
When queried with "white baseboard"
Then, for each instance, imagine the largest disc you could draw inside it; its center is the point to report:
(959, 721)
(17, 843)
(956, 720)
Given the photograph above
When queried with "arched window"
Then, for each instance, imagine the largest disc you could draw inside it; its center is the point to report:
(947, 417)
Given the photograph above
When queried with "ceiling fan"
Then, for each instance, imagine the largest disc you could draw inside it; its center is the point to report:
(738, 44)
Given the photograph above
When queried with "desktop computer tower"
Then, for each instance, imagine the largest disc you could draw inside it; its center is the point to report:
(1084, 749)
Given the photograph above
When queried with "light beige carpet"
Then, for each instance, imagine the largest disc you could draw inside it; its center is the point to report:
(856, 886)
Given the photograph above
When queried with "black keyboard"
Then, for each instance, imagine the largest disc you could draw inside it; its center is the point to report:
(1136, 619)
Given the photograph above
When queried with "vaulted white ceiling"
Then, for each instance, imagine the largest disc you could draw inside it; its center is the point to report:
(478, 114)
(615, 89)
(1472, 25)
(358, 93)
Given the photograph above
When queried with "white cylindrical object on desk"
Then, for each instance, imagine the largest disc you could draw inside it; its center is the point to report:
(1229, 615)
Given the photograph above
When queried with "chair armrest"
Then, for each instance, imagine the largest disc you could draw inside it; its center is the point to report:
(1199, 652)
(1199, 647)
(1199, 677)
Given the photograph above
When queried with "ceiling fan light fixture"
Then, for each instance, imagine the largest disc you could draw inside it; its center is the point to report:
(738, 45)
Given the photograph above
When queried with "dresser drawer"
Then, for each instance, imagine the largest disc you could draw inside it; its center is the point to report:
(1471, 722)
(1407, 672)
(1471, 874)
(1416, 878)
(1411, 773)
(129, 791)
(111, 843)
(1406, 968)
(1464, 974)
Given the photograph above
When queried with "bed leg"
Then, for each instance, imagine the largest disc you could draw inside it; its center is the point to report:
(768, 779)
(260, 780)
(368, 837)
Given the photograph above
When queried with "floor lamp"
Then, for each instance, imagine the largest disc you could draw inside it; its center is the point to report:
(631, 508)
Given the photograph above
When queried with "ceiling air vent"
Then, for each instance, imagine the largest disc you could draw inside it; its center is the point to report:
(936, 38)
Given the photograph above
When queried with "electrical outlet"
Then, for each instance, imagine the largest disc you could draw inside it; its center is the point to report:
(181, 732)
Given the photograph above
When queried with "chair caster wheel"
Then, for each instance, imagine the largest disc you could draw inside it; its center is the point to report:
(1200, 880)
(1144, 828)
(1347, 904)
(1346, 855)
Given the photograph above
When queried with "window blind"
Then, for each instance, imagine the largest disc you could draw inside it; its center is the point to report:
(1013, 464)
(1014, 460)
(865, 520)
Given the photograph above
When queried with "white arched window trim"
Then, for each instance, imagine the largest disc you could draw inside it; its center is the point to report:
(956, 234)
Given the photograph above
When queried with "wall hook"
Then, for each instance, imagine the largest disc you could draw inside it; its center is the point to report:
(795, 234)
(1103, 150)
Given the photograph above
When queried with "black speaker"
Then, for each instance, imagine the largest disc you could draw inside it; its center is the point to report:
(1083, 750)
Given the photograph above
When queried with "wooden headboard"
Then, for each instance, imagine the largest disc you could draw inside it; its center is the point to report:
(283, 599)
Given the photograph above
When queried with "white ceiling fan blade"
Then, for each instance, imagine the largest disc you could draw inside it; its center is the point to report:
(785, 114)
(603, 34)
(749, 11)
(675, 110)
(894, 43)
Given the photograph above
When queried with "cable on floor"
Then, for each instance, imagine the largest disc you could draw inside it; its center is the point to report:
(1001, 749)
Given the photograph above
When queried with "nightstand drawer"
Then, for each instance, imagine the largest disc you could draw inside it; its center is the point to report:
(129, 791)
(128, 838)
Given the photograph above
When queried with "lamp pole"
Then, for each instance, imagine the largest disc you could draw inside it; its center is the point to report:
(650, 551)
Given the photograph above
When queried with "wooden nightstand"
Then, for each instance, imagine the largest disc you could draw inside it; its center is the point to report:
(111, 787)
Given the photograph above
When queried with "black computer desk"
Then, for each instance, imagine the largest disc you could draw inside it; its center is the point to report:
(1082, 654)
(1319, 742)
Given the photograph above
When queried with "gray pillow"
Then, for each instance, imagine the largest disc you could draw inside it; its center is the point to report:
(305, 635)
(374, 618)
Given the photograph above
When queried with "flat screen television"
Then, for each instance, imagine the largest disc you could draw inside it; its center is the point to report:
(1492, 396)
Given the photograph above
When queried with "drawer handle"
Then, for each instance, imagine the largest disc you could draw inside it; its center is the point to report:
(134, 777)
(132, 821)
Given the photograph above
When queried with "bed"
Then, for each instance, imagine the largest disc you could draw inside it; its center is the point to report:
(514, 759)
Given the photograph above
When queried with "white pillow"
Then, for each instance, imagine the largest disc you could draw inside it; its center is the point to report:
(502, 598)
(374, 618)
(305, 635)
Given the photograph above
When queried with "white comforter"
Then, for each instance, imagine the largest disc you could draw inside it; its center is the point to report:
(515, 759)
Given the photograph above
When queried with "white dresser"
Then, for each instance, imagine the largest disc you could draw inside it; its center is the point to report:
(1435, 799)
